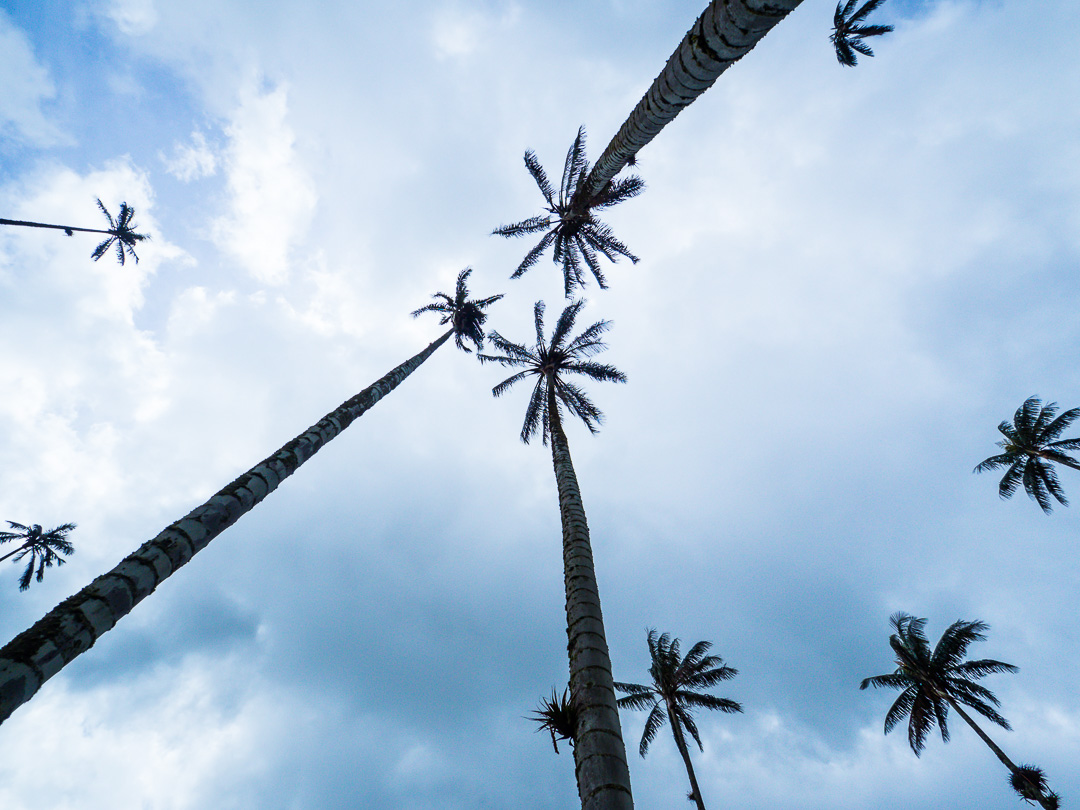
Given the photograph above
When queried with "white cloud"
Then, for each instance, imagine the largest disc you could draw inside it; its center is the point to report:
(190, 161)
(133, 17)
(27, 86)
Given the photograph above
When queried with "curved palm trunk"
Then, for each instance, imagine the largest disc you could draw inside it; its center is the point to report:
(66, 228)
(680, 741)
(23, 547)
(603, 777)
(723, 34)
(72, 627)
(1008, 763)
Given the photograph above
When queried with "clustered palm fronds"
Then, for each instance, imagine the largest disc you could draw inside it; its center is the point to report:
(1029, 782)
(571, 227)
(1029, 446)
(548, 361)
(43, 547)
(848, 31)
(466, 316)
(122, 234)
(557, 715)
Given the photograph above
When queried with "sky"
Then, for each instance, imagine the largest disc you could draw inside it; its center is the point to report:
(848, 278)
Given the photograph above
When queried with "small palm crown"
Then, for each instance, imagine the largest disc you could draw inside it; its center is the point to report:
(466, 316)
(576, 235)
(930, 680)
(43, 547)
(675, 680)
(122, 234)
(557, 715)
(848, 33)
(1029, 447)
(1029, 782)
(549, 362)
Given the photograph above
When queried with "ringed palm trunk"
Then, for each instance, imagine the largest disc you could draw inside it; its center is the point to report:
(603, 777)
(723, 34)
(680, 741)
(72, 627)
(65, 228)
(1008, 763)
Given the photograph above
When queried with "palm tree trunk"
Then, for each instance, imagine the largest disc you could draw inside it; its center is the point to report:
(66, 228)
(603, 777)
(72, 627)
(23, 547)
(680, 741)
(723, 34)
(1008, 763)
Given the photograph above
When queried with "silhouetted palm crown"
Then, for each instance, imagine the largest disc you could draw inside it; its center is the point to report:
(848, 32)
(1029, 446)
(466, 316)
(928, 679)
(674, 682)
(557, 715)
(549, 362)
(571, 229)
(122, 234)
(43, 547)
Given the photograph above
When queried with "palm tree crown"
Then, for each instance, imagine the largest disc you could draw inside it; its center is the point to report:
(1029, 445)
(548, 362)
(466, 316)
(932, 682)
(848, 32)
(576, 235)
(122, 234)
(43, 547)
(557, 715)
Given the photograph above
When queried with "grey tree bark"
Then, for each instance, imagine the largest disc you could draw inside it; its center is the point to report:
(72, 627)
(603, 776)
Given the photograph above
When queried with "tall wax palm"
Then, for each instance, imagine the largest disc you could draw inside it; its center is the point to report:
(849, 31)
(934, 682)
(603, 777)
(674, 695)
(73, 626)
(44, 548)
(121, 232)
(1029, 447)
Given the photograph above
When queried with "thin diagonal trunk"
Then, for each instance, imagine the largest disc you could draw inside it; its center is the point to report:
(23, 547)
(72, 627)
(680, 741)
(65, 228)
(1008, 763)
(1066, 462)
(723, 34)
(603, 777)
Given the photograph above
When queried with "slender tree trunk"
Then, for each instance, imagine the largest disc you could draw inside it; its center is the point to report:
(603, 777)
(72, 627)
(66, 228)
(1066, 462)
(1008, 763)
(680, 741)
(23, 547)
(723, 34)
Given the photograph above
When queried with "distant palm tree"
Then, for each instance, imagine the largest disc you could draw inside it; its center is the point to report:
(603, 776)
(43, 547)
(571, 229)
(1029, 444)
(848, 31)
(673, 695)
(69, 629)
(557, 715)
(121, 232)
(932, 683)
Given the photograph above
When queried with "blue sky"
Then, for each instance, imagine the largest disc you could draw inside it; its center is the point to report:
(848, 278)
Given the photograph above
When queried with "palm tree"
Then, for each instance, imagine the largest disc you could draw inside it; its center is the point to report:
(576, 235)
(672, 697)
(557, 715)
(603, 777)
(73, 626)
(43, 547)
(1029, 444)
(848, 32)
(121, 232)
(932, 683)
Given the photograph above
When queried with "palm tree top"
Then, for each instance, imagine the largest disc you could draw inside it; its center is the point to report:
(571, 229)
(675, 680)
(557, 715)
(44, 548)
(929, 680)
(1030, 443)
(549, 362)
(467, 316)
(122, 233)
(848, 30)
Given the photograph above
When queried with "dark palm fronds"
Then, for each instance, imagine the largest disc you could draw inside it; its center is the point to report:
(570, 228)
(557, 715)
(467, 316)
(44, 548)
(1029, 782)
(849, 32)
(548, 362)
(1030, 447)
